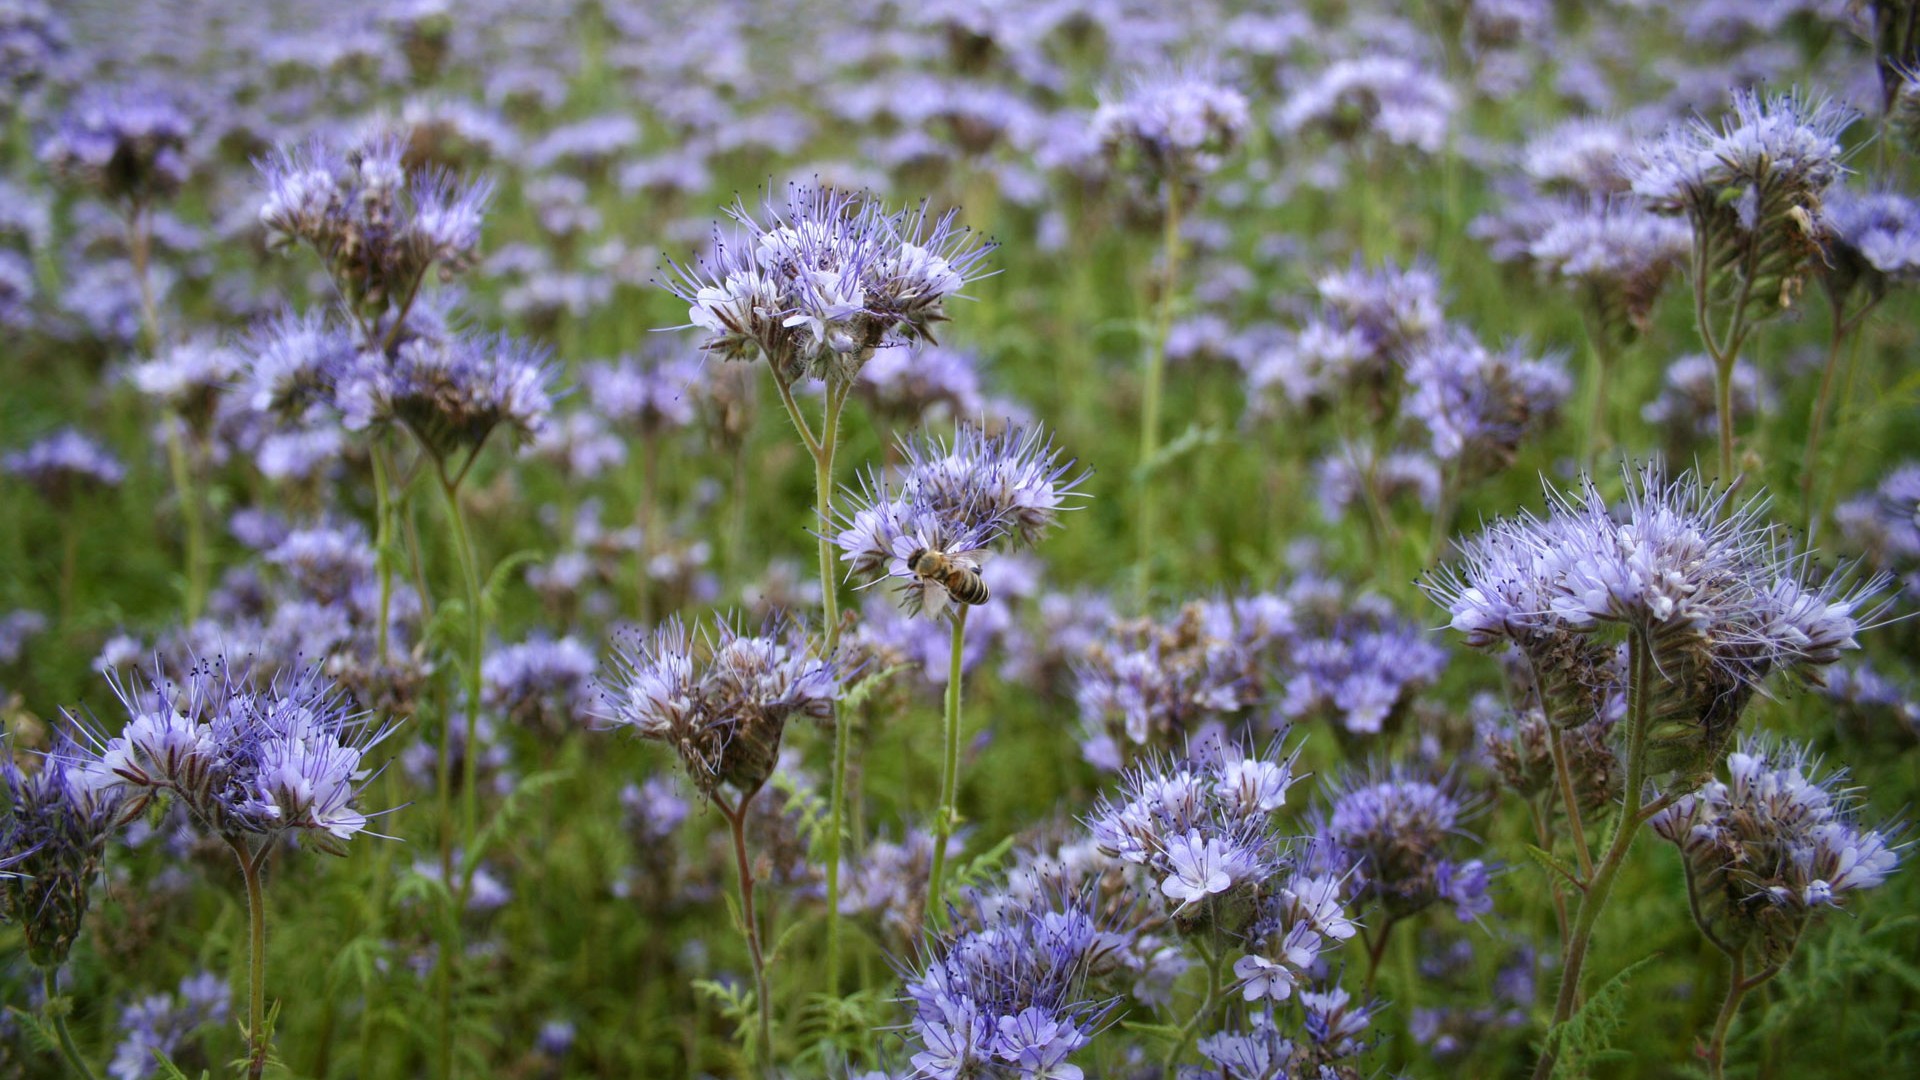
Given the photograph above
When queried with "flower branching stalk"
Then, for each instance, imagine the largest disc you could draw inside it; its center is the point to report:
(1712, 599)
(1767, 851)
(722, 703)
(947, 818)
(814, 285)
(736, 815)
(57, 1008)
(1753, 189)
(1147, 514)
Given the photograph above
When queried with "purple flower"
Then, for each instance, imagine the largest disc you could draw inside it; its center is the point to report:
(65, 463)
(825, 279)
(53, 839)
(1172, 125)
(125, 143)
(958, 500)
(721, 703)
(283, 760)
(1389, 836)
(163, 1024)
(1392, 98)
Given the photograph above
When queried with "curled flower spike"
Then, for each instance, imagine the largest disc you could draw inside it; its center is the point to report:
(1389, 837)
(822, 278)
(286, 758)
(53, 839)
(721, 702)
(957, 501)
(1771, 845)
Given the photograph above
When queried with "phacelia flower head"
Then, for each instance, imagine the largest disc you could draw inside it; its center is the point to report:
(377, 223)
(53, 838)
(1172, 126)
(1004, 995)
(1387, 98)
(65, 463)
(1709, 586)
(1754, 189)
(721, 702)
(950, 505)
(1390, 837)
(246, 757)
(1614, 255)
(1875, 240)
(822, 278)
(1477, 405)
(1204, 829)
(540, 682)
(128, 146)
(453, 392)
(1772, 845)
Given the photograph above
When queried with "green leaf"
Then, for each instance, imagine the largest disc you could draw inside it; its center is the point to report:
(857, 694)
(497, 580)
(1585, 1039)
(1554, 864)
(1193, 439)
(510, 812)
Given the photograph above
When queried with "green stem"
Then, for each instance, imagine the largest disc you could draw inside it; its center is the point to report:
(256, 959)
(382, 547)
(1191, 1028)
(1150, 400)
(1626, 827)
(644, 518)
(948, 815)
(763, 1034)
(476, 640)
(59, 1018)
(140, 254)
(1564, 774)
(1842, 327)
(69, 572)
(1736, 990)
(188, 495)
(1601, 356)
(830, 635)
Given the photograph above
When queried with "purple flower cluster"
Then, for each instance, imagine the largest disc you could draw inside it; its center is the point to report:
(1386, 98)
(53, 839)
(1711, 588)
(127, 146)
(1773, 844)
(721, 703)
(1477, 405)
(64, 464)
(1006, 997)
(1175, 126)
(1389, 838)
(377, 225)
(825, 279)
(540, 682)
(284, 761)
(1361, 670)
(162, 1024)
(959, 499)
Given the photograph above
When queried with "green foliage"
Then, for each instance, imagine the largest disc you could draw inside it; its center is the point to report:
(1586, 1039)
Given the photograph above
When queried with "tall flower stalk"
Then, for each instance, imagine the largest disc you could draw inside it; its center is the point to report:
(930, 529)
(252, 763)
(1753, 190)
(1710, 599)
(1767, 851)
(722, 703)
(1167, 131)
(813, 285)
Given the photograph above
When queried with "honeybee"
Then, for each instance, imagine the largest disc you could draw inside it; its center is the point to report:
(957, 575)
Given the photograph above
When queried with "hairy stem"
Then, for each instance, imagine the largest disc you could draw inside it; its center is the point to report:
(59, 1019)
(1564, 774)
(382, 545)
(256, 959)
(476, 640)
(948, 814)
(1843, 325)
(763, 1034)
(1626, 827)
(140, 254)
(1214, 960)
(830, 639)
(1737, 988)
(189, 496)
(1145, 517)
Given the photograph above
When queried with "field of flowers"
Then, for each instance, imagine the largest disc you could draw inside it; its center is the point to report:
(959, 539)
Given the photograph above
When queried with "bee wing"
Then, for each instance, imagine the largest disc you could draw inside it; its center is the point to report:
(933, 598)
(970, 560)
